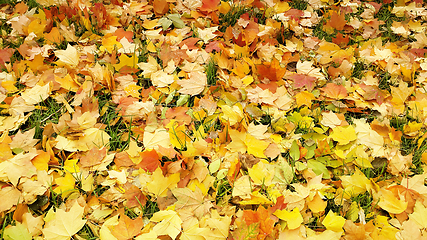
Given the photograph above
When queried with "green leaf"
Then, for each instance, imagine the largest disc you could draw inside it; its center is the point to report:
(183, 99)
(170, 97)
(166, 23)
(318, 168)
(284, 173)
(18, 232)
(176, 20)
(294, 151)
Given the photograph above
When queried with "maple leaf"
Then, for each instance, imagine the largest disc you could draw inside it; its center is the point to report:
(343, 135)
(168, 223)
(355, 184)
(18, 166)
(93, 157)
(335, 91)
(5, 55)
(302, 80)
(65, 185)
(160, 7)
(333, 222)
(62, 224)
(191, 201)
(160, 184)
(69, 56)
(11, 197)
(19, 231)
(194, 85)
(337, 21)
(209, 5)
(259, 219)
(150, 160)
(293, 218)
(373, 93)
(134, 196)
(418, 216)
(272, 70)
(127, 228)
(390, 203)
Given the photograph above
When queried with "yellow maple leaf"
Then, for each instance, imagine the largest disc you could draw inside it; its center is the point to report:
(160, 137)
(63, 225)
(133, 90)
(419, 215)
(242, 187)
(304, 98)
(109, 44)
(126, 61)
(343, 135)
(333, 222)
(36, 94)
(177, 134)
(69, 56)
(160, 184)
(262, 173)
(168, 223)
(194, 85)
(65, 185)
(355, 184)
(237, 144)
(70, 165)
(292, 218)
(390, 203)
(255, 146)
(232, 114)
(400, 94)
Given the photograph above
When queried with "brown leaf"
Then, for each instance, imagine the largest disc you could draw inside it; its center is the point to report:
(127, 228)
(93, 157)
(160, 7)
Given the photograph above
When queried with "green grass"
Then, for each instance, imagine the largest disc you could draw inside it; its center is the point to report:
(6, 221)
(211, 71)
(385, 15)
(150, 207)
(298, 4)
(48, 111)
(320, 33)
(366, 202)
(230, 18)
(119, 131)
(86, 233)
(223, 189)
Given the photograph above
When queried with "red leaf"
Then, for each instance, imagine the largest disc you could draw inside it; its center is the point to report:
(261, 216)
(337, 21)
(272, 71)
(122, 159)
(214, 45)
(341, 40)
(177, 113)
(150, 160)
(209, 5)
(190, 43)
(127, 228)
(134, 196)
(5, 55)
(335, 91)
(93, 157)
(160, 7)
(302, 80)
(121, 33)
(373, 93)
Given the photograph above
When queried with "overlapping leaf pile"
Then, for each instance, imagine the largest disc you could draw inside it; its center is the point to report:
(207, 119)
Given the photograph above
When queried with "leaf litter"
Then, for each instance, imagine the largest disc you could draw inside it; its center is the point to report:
(209, 119)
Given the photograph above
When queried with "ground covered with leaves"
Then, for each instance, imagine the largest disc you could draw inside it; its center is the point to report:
(207, 119)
